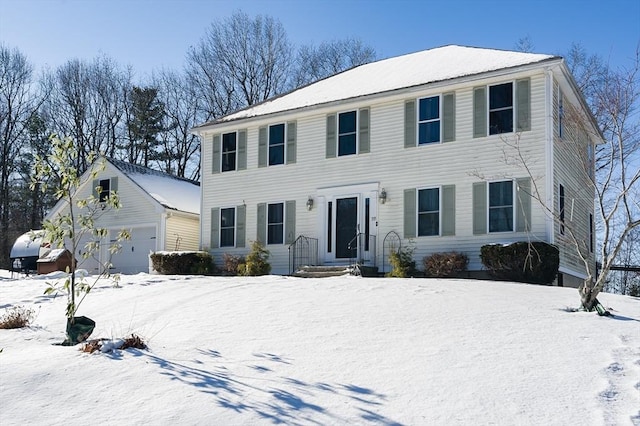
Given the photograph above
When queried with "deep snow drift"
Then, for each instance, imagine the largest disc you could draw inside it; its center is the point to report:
(270, 350)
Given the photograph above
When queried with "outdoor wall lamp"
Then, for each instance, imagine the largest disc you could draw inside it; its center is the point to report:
(383, 196)
(309, 203)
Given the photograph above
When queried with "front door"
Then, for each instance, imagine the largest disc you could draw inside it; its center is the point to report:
(346, 227)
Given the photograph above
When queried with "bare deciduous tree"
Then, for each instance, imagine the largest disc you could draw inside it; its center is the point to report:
(314, 63)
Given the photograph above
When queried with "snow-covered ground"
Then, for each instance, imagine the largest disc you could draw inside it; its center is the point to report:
(331, 351)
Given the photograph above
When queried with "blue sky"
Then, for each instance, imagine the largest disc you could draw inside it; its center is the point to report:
(150, 34)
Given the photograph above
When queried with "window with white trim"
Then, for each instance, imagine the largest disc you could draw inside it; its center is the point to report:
(428, 212)
(275, 223)
(429, 120)
(501, 206)
(276, 144)
(347, 133)
(501, 108)
(228, 227)
(229, 151)
(105, 188)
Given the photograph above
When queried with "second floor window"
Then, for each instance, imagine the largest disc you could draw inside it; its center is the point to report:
(105, 187)
(347, 131)
(501, 108)
(429, 120)
(229, 150)
(276, 144)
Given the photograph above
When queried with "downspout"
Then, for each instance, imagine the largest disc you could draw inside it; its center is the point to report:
(549, 172)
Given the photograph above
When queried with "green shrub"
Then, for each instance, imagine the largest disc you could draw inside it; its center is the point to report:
(402, 263)
(183, 263)
(17, 317)
(445, 264)
(231, 264)
(256, 261)
(529, 262)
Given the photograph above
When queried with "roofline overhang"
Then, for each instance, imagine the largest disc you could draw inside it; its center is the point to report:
(556, 60)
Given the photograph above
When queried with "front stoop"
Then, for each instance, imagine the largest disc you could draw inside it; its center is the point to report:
(323, 271)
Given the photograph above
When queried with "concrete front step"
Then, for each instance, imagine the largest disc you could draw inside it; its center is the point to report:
(322, 271)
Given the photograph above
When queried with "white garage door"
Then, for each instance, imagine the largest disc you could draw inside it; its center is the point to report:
(134, 256)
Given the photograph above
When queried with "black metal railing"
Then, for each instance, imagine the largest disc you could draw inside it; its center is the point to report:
(362, 250)
(390, 244)
(303, 252)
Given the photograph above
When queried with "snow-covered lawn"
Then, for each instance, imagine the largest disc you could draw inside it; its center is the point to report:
(362, 351)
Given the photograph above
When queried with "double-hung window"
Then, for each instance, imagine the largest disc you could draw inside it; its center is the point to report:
(501, 206)
(276, 144)
(275, 223)
(105, 187)
(501, 108)
(229, 151)
(561, 207)
(429, 120)
(347, 133)
(227, 227)
(428, 212)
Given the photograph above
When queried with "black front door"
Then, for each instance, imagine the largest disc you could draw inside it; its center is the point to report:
(346, 226)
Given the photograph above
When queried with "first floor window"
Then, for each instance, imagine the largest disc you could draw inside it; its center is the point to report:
(347, 126)
(501, 206)
(227, 227)
(229, 151)
(104, 190)
(275, 223)
(276, 144)
(501, 108)
(428, 212)
(429, 120)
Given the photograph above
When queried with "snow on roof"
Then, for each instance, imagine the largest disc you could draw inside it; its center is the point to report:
(27, 244)
(414, 69)
(171, 191)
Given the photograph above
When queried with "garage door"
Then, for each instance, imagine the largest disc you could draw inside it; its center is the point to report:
(134, 256)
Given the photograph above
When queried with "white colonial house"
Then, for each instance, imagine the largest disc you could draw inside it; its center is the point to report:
(160, 211)
(418, 148)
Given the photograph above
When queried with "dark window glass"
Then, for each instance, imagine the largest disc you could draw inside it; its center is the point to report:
(227, 227)
(561, 207)
(429, 120)
(228, 152)
(347, 133)
(104, 190)
(501, 206)
(501, 108)
(276, 144)
(275, 223)
(428, 212)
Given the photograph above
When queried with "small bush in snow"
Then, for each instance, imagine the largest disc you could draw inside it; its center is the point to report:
(402, 263)
(445, 264)
(231, 263)
(17, 317)
(256, 262)
(183, 263)
(524, 261)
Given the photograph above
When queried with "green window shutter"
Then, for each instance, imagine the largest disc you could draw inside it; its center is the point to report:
(523, 104)
(290, 222)
(215, 161)
(448, 117)
(291, 142)
(114, 184)
(410, 123)
(479, 208)
(262, 223)
(331, 136)
(479, 112)
(523, 205)
(242, 150)
(95, 192)
(262, 147)
(448, 213)
(410, 213)
(241, 220)
(364, 143)
(215, 228)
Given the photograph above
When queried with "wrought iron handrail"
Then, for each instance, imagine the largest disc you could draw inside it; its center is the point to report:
(303, 252)
(364, 246)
